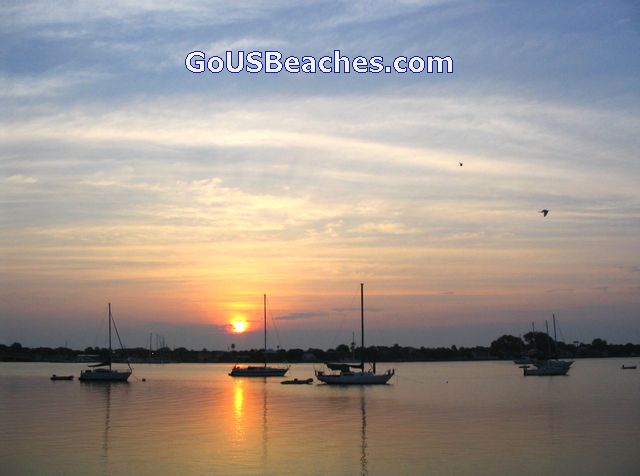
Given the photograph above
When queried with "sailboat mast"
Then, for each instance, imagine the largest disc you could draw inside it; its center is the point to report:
(555, 337)
(546, 323)
(353, 346)
(265, 330)
(362, 323)
(109, 336)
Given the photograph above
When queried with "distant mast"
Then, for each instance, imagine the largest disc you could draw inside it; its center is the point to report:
(109, 336)
(353, 346)
(362, 325)
(555, 337)
(265, 329)
(546, 323)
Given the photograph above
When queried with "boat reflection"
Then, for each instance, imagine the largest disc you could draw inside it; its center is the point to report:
(265, 437)
(352, 403)
(107, 424)
(363, 433)
(105, 417)
(101, 394)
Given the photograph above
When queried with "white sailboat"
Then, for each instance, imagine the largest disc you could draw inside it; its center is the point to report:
(355, 374)
(260, 370)
(548, 366)
(103, 372)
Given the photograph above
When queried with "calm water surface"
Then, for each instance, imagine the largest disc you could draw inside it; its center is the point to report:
(435, 418)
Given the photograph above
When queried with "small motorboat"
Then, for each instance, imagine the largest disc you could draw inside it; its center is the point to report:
(629, 367)
(61, 377)
(295, 381)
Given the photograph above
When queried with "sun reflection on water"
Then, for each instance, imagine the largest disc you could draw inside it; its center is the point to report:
(238, 405)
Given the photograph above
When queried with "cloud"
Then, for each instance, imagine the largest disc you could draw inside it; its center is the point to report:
(384, 228)
(52, 83)
(21, 180)
(41, 13)
(354, 309)
(316, 180)
(296, 316)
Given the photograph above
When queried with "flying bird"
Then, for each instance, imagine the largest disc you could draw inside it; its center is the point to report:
(544, 212)
(460, 164)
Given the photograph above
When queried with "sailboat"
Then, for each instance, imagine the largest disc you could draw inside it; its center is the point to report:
(260, 370)
(345, 375)
(548, 366)
(100, 372)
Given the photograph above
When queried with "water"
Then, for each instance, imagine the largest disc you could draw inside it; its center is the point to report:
(435, 418)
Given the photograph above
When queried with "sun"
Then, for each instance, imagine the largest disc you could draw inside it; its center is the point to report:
(238, 327)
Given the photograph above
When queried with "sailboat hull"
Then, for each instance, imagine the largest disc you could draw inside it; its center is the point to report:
(355, 378)
(548, 367)
(101, 375)
(528, 372)
(257, 371)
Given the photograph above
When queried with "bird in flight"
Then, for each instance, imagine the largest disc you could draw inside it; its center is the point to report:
(544, 212)
(460, 164)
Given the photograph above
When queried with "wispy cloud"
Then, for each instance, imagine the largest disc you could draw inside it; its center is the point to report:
(297, 316)
(39, 13)
(354, 309)
(47, 85)
(21, 180)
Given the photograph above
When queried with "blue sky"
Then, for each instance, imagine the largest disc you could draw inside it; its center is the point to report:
(182, 198)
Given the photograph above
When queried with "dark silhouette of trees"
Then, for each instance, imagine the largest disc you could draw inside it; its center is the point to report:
(540, 342)
(599, 344)
(343, 349)
(507, 347)
(504, 347)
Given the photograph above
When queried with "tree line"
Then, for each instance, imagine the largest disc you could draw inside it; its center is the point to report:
(506, 347)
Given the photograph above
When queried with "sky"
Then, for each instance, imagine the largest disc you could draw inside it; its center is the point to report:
(183, 198)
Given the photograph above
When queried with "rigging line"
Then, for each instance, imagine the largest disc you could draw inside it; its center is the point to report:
(120, 340)
(273, 322)
(98, 338)
(350, 305)
(560, 331)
